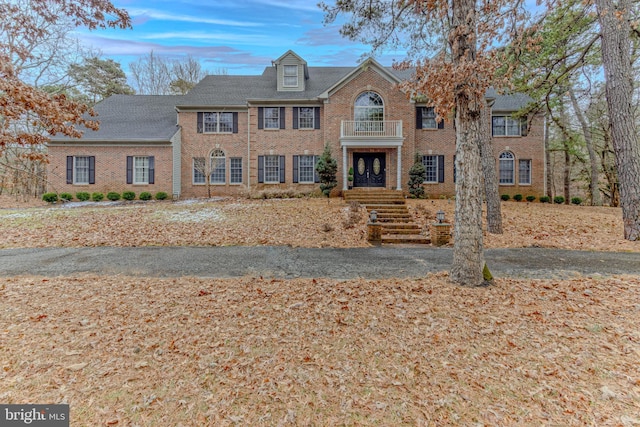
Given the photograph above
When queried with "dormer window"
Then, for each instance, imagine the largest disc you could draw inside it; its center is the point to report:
(290, 76)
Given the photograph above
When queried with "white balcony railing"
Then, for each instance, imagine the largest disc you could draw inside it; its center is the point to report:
(371, 129)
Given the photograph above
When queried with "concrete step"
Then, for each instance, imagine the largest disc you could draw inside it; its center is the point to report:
(398, 239)
(403, 231)
(401, 226)
(407, 220)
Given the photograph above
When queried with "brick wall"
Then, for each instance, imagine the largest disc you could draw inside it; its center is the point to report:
(110, 168)
(288, 142)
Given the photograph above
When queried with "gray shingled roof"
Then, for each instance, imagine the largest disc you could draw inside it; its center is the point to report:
(508, 102)
(236, 90)
(133, 117)
(153, 117)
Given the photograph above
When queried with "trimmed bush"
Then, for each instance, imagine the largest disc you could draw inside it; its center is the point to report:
(113, 196)
(161, 195)
(517, 197)
(128, 195)
(545, 199)
(576, 200)
(50, 197)
(558, 200)
(66, 196)
(97, 197)
(83, 196)
(530, 198)
(505, 197)
(145, 195)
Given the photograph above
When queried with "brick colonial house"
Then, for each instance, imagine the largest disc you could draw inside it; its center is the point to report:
(250, 133)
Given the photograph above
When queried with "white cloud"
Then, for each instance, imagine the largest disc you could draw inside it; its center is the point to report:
(159, 15)
(303, 5)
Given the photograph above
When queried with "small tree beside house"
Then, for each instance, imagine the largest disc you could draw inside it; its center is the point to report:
(327, 168)
(416, 178)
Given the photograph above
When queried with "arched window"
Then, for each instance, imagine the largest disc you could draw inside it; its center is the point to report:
(218, 169)
(507, 168)
(369, 107)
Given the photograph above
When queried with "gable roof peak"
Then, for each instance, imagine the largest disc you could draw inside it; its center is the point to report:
(287, 53)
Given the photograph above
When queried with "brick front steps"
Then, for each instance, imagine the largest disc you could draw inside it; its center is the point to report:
(397, 223)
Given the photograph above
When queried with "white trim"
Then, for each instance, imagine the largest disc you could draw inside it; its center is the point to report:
(75, 171)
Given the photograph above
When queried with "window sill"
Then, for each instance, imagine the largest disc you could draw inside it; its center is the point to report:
(217, 133)
(271, 129)
(506, 136)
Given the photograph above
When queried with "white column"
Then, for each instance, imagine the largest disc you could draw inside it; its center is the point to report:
(399, 172)
(344, 167)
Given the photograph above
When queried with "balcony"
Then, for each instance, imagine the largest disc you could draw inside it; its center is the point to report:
(384, 133)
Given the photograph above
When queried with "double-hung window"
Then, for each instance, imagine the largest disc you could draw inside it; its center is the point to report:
(81, 170)
(218, 167)
(199, 170)
(290, 76)
(140, 170)
(306, 118)
(429, 118)
(306, 169)
(434, 169)
(272, 118)
(217, 122)
(506, 126)
(235, 170)
(506, 168)
(271, 169)
(524, 171)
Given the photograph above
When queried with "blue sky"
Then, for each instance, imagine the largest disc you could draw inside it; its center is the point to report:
(241, 36)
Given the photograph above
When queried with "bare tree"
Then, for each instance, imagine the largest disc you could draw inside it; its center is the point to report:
(36, 48)
(151, 75)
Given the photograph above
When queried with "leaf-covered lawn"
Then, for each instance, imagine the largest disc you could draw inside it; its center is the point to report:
(252, 351)
(294, 222)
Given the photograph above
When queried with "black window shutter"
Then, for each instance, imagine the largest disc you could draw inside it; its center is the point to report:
(92, 169)
(69, 169)
(235, 122)
(200, 122)
(316, 118)
(523, 127)
(418, 117)
(440, 168)
(260, 169)
(260, 118)
(441, 124)
(282, 124)
(295, 119)
(152, 170)
(296, 165)
(316, 176)
(282, 169)
(129, 169)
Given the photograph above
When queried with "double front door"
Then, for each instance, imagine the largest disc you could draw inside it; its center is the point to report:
(369, 169)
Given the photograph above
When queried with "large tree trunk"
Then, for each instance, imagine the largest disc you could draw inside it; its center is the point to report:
(594, 188)
(468, 257)
(614, 27)
(494, 212)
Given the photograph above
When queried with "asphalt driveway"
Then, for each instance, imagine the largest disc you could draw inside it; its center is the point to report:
(286, 262)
